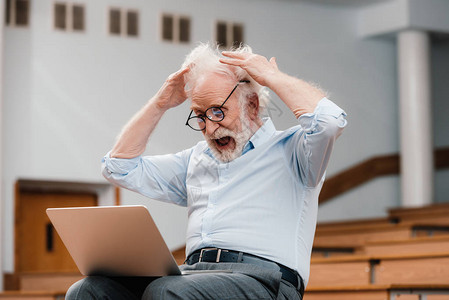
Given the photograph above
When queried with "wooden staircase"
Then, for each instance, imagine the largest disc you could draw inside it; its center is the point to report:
(402, 256)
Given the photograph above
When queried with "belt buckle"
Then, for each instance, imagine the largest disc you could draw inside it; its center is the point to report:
(217, 259)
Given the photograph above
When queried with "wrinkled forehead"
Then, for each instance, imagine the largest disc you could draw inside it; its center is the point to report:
(211, 90)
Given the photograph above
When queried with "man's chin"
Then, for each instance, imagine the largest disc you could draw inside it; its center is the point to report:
(225, 154)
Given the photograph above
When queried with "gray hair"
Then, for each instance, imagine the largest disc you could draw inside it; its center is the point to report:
(204, 59)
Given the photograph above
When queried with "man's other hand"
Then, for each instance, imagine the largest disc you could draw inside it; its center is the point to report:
(257, 66)
(172, 92)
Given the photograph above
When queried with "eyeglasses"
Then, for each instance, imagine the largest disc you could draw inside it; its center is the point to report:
(214, 113)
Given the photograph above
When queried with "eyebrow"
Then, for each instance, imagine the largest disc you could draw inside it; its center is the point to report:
(222, 104)
(195, 108)
(197, 112)
(192, 107)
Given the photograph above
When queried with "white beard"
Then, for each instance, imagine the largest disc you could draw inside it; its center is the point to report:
(240, 137)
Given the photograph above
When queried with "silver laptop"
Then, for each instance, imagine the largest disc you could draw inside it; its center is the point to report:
(113, 241)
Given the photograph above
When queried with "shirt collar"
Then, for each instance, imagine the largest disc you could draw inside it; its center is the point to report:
(263, 133)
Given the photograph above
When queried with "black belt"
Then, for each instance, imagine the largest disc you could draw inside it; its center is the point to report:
(222, 255)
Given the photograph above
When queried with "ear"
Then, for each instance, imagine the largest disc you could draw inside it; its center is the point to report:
(253, 106)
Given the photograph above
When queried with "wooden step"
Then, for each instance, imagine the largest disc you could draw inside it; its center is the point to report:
(344, 225)
(355, 237)
(380, 269)
(353, 292)
(423, 291)
(421, 245)
(334, 251)
(378, 292)
(39, 281)
(32, 295)
(436, 218)
(340, 273)
(426, 269)
(437, 214)
(405, 213)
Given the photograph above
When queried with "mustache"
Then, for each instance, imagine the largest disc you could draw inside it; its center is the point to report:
(220, 133)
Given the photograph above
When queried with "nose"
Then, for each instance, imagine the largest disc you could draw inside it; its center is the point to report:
(211, 126)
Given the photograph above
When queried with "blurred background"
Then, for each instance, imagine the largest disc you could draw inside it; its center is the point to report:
(74, 72)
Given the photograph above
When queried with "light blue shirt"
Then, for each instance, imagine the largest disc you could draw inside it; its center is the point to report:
(264, 202)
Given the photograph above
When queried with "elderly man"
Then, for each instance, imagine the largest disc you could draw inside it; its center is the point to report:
(251, 191)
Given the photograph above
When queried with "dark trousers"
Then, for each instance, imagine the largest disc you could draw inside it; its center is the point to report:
(245, 282)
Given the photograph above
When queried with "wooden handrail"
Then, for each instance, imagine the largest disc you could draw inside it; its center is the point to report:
(370, 169)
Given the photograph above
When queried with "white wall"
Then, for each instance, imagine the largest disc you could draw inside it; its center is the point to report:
(16, 128)
(2, 22)
(67, 95)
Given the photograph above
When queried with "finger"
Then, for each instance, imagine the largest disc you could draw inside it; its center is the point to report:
(273, 62)
(182, 71)
(232, 62)
(178, 75)
(238, 55)
(185, 70)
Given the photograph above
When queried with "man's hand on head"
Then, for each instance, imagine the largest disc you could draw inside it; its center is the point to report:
(300, 96)
(258, 67)
(172, 92)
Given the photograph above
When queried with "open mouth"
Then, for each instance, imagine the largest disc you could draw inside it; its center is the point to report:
(223, 142)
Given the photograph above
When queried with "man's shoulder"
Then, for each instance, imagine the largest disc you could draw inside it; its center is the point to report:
(268, 134)
(287, 133)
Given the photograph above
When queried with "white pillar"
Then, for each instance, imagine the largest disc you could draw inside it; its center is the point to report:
(415, 118)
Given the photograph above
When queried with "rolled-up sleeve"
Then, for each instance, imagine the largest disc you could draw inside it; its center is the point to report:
(160, 177)
(312, 145)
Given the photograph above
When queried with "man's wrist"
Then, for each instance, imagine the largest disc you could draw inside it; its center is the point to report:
(273, 80)
(159, 105)
(300, 96)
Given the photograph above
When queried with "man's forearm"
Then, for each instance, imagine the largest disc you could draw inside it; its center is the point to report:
(134, 137)
(301, 97)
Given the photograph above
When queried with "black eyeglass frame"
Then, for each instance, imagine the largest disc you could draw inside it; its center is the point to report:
(205, 115)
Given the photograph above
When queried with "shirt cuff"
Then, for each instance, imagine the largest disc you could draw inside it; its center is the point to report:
(309, 121)
(119, 165)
